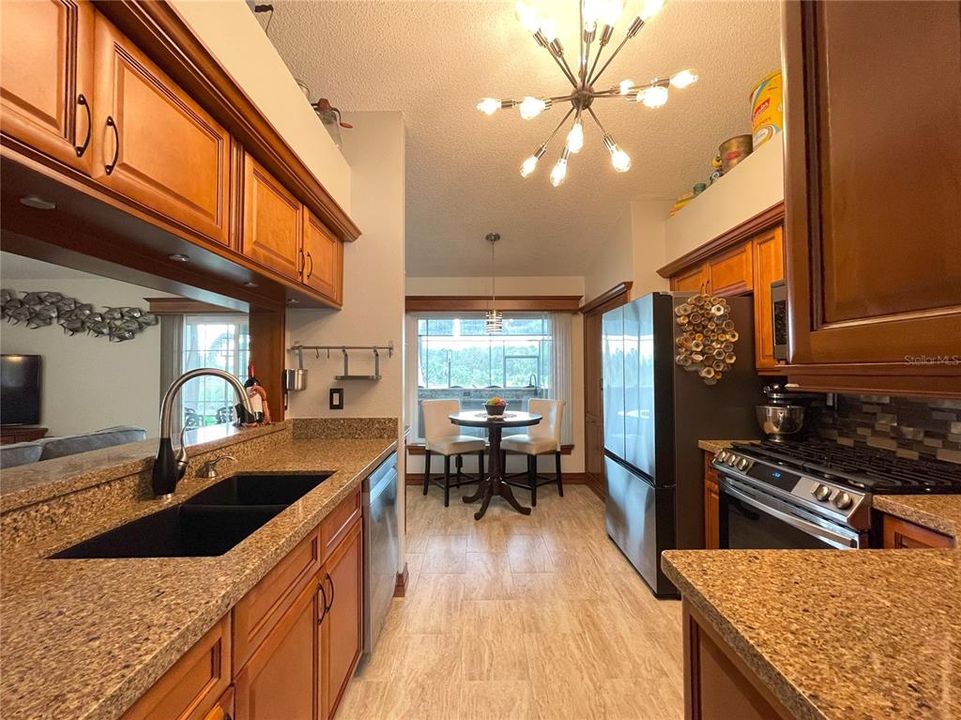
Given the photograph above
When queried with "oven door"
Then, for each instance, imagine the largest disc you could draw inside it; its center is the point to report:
(753, 519)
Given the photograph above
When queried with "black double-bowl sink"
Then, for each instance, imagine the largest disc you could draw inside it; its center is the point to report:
(208, 524)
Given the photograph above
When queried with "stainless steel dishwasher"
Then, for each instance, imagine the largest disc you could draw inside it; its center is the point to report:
(381, 546)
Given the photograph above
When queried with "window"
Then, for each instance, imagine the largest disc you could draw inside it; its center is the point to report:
(213, 341)
(456, 358)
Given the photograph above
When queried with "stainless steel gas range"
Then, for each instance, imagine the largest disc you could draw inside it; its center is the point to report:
(815, 493)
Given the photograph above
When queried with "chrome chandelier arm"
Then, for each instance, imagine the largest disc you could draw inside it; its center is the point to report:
(595, 77)
(559, 126)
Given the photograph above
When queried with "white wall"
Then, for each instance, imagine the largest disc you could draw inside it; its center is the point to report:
(230, 32)
(613, 262)
(373, 311)
(90, 383)
(753, 186)
(516, 286)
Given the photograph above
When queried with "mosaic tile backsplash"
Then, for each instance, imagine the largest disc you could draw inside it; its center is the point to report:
(911, 427)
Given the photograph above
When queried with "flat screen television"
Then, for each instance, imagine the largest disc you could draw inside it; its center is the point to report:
(20, 389)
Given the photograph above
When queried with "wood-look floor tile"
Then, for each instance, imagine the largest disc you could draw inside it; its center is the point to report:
(495, 700)
(528, 554)
(364, 699)
(445, 554)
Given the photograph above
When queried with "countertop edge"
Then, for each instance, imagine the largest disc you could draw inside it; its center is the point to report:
(789, 695)
(899, 506)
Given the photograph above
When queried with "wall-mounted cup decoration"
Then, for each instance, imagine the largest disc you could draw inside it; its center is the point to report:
(706, 345)
(42, 309)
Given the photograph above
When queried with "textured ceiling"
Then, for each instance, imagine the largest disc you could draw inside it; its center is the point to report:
(434, 60)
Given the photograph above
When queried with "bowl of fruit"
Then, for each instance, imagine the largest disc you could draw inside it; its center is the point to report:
(495, 406)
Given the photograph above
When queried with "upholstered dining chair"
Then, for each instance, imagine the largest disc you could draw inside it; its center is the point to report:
(443, 438)
(540, 439)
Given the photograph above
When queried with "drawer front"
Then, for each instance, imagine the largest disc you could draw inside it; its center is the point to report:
(336, 525)
(261, 608)
(193, 687)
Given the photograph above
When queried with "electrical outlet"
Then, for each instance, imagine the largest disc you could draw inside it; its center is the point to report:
(336, 398)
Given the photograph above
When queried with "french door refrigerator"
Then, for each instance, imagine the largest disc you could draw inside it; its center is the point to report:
(654, 414)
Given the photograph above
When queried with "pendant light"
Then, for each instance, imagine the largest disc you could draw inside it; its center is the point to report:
(494, 322)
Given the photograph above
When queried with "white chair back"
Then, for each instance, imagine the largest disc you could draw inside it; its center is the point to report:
(552, 412)
(437, 424)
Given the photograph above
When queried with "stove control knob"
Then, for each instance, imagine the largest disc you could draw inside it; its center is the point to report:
(743, 464)
(722, 456)
(731, 459)
(821, 492)
(843, 501)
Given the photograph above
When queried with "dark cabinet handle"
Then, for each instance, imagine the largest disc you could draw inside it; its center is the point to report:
(116, 147)
(323, 610)
(331, 581)
(81, 149)
(310, 259)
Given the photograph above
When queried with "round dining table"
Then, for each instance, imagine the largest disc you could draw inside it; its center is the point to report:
(494, 483)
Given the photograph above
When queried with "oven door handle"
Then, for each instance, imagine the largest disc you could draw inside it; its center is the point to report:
(837, 540)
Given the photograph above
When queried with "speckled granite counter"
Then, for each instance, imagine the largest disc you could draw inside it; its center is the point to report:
(837, 635)
(715, 446)
(941, 513)
(86, 638)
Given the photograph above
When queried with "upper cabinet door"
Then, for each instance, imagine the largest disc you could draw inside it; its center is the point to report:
(47, 80)
(323, 268)
(694, 280)
(873, 180)
(153, 143)
(731, 273)
(768, 268)
(272, 222)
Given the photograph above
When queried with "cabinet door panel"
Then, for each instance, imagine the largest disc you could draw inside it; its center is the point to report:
(900, 534)
(691, 281)
(323, 259)
(47, 58)
(733, 272)
(280, 680)
(272, 221)
(768, 268)
(872, 220)
(162, 149)
(342, 629)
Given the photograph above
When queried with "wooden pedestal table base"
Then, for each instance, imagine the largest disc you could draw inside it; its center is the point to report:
(494, 483)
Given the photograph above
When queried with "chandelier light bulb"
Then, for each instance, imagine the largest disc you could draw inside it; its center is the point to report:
(653, 97)
(683, 79)
(559, 173)
(610, 12)
(650, 9)
(625, 87)
(527, 16)
(531, 107)
(620, 160)
(489, 106)
(575, 138)
(530, 164)
(548, 29)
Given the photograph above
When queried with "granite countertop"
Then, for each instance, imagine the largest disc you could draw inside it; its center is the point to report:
(941, 513)
(837, 635)
(86, 638)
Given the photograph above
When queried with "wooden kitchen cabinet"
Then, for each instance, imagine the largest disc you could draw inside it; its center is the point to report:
(341, 632)
(872, 231)
(694, 280)
(768, 268)
(272, 225)
(323, 265)
(195, 686)
(900, 534)
(732, 272)
(712, 505)
(46, 88)
(154, 144)
(280, 679)
(224, 708)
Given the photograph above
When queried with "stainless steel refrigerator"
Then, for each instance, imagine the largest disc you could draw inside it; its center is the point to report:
(654, 414)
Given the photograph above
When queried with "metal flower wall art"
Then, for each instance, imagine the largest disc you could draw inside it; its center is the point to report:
(706, 342)
(44, 309)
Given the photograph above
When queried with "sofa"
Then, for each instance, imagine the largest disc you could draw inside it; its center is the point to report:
(55, 447)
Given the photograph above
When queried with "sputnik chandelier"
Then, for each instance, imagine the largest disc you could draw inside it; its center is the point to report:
(597, 20)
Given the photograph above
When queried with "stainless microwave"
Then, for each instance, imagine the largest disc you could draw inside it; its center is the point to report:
(779, 319)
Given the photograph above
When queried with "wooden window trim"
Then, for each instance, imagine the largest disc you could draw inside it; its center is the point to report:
(615, 297)
(482, 303)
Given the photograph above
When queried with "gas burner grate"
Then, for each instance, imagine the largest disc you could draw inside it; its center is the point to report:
(871, 469)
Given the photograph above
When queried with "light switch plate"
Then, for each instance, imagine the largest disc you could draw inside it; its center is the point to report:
(337, 398)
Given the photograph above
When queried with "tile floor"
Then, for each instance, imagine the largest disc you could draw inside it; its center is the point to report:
(520, 617)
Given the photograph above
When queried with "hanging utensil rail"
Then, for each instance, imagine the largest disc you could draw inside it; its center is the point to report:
(343, 349)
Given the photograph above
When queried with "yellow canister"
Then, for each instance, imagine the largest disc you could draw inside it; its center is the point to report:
(767, 109)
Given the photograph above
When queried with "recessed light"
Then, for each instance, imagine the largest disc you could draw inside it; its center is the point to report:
(37, 203)
(179, 257)
(251, 284)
